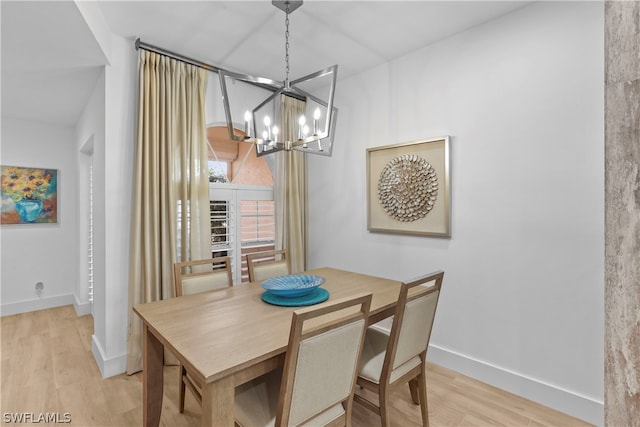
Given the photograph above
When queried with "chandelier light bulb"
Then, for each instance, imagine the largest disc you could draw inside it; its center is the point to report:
(301, 121)
(305, 132)
(247, 124)
(316, 118)
(275, 132)
(267, 124)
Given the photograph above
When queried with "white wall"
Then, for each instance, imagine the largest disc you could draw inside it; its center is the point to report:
(44, 253)
(120, 119)
(90, 148)
(107, 125)
(522, 99)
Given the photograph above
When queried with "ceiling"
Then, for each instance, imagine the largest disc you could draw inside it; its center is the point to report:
(51, 57)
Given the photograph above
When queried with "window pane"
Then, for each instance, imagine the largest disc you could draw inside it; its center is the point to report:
(257, 222)
(218, 171)
(221, 228)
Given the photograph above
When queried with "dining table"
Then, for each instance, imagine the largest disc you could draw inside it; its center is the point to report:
(227, 337)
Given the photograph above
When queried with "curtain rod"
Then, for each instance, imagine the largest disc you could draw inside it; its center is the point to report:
(178, 57)
(141, 45)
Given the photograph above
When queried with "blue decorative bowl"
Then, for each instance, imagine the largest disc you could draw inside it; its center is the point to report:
(292, 285)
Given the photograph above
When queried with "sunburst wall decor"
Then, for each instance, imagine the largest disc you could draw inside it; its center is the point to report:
(408, 188)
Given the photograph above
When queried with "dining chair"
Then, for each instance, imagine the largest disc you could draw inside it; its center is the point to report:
(315, 386)
(392, 358)
(192, 277)
(267, 264)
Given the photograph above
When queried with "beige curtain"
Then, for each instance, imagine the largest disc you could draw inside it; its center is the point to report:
(170, 214)
(290, 190)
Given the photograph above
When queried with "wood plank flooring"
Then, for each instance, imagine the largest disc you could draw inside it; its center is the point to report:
(47, 367)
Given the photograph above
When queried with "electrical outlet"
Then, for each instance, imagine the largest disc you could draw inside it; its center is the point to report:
(39, 289)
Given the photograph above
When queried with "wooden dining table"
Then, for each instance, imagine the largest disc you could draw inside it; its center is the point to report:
(227, 337)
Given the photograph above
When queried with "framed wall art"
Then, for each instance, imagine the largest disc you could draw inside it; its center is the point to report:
(29, 195)
(408, 189)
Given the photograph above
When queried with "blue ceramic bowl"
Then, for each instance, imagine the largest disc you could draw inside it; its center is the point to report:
(292, 285)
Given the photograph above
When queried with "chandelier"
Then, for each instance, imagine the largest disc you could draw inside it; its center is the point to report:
(295, 115)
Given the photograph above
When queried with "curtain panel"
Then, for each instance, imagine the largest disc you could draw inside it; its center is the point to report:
(170, 214)
(290, 190)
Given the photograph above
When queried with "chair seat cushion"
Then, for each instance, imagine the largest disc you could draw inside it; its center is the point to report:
(373, 353)
(256, 403)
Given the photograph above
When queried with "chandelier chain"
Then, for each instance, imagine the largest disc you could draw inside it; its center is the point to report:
(286, 46)
(316, 116)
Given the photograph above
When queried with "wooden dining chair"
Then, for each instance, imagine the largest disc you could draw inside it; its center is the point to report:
(392, 358)
(316, 384)
(192, 277)
(267, 264)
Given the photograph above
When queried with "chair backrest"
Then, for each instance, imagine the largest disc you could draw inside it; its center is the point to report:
(266, 264)
(322, 358)
(192, 277)
(412, 322)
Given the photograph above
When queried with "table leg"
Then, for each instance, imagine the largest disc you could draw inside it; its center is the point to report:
(218, 403)
(152, 381)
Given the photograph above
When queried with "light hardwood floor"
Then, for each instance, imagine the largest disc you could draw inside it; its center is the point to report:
(47, 367)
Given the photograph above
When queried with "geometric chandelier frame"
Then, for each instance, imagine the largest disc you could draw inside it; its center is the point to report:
(269, 123)
(316, 141)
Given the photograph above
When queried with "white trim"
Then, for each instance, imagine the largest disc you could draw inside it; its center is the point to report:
(229, 186)
(108, 366)
(36, 304)
(553, 396)
(82, 308)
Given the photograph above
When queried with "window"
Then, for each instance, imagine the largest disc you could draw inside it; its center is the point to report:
(257, 226)
(241, 201)
(242, 221)
(221, 228)
(218, 171)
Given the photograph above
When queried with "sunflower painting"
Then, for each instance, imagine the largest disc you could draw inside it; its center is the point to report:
(29, 195)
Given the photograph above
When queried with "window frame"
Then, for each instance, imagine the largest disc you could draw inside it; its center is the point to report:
(235, 194)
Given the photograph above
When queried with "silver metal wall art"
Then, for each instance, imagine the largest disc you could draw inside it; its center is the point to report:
(408, 189)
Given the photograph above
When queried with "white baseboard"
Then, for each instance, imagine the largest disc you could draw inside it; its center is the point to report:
(36, 304)
(108, 366)
(568, 402)
(82, 308)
